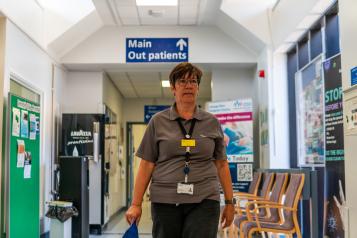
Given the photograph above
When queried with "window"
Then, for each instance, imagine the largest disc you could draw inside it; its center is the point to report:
(322, 39)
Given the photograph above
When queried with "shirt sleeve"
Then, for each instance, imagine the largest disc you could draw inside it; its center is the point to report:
(148, 149)
(220, 146)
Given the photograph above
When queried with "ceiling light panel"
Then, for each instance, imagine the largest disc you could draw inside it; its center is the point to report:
(165, 83)
(168, 17)
(156, 2)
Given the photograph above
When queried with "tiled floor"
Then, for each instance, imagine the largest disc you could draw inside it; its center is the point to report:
(118, 225)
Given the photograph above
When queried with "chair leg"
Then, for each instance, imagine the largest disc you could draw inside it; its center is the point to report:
(298, 232)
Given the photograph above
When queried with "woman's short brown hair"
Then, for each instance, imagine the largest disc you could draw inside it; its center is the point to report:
(183, 70)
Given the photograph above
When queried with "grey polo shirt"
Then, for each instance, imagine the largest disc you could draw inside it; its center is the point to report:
(161, 145)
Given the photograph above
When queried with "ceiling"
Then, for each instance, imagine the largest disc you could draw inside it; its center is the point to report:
(148, 84)
(127, 13)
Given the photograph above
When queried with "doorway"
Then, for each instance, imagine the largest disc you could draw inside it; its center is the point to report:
(135, 132)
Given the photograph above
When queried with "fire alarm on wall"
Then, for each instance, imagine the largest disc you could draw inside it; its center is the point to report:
(261, 73)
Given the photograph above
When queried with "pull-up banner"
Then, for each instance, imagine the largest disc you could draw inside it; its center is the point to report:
(335, 165)
(156, 50)
(236, 119)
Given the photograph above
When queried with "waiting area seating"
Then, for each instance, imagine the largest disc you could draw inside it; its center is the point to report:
(274, 210)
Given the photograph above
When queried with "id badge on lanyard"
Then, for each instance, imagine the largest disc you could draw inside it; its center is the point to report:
(188, 142)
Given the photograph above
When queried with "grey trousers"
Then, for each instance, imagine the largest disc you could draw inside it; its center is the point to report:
(193, 220)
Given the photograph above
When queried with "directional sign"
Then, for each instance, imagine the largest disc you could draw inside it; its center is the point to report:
(354, 76)
(150, 110)
(154, 50)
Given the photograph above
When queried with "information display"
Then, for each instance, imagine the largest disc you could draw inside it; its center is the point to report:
(154, 50)
(236, 118)
(335, 165)
(24, 168)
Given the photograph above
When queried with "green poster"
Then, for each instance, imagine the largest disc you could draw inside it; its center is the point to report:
(24, 169)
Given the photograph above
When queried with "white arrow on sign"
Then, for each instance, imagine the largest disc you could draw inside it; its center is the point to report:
(181, 43)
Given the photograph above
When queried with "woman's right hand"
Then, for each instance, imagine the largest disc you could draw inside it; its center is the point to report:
(133, 214)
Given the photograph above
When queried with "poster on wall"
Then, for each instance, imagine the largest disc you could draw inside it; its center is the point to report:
(310, 115)
(236, 119)
(351, 116)
(335, 167)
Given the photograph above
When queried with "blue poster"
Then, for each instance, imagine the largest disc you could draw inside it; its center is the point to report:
(24, 124)
(354, 76)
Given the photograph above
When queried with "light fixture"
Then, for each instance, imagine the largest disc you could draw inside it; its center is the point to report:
(165, 83)
(156, 2)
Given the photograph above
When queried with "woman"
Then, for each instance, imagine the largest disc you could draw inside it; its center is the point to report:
(183, 153)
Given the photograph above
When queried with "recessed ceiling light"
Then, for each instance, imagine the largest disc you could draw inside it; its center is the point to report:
(165, 83)
(156, 2)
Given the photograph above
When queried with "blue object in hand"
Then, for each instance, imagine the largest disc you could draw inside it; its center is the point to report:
(132, 231)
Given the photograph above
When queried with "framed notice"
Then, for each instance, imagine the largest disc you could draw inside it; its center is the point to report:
(310, 115)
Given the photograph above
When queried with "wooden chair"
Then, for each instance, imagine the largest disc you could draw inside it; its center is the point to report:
(263, 195)
(290, 224)
(252, 191)
(253, 187)
(276, 195)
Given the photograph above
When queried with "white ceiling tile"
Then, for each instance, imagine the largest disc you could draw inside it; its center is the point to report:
(188, 2)
(188, 21)
(158, 21)
(148, 85)
(130, 21)
(190, 12)
(144, 76)
(125, 2)
(128, 12)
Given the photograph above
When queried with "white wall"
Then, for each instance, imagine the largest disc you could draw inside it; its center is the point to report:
(117, 186)
(206, 45)
(348, 34)
(287, 16)
(34, 67)
(262, 87)
(252, 14)
(83, 93)
(278, 111)
(28, 15)
(231, 84)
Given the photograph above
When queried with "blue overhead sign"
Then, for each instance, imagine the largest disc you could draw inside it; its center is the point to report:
(155, 50)
(150, 110)
(354, 76)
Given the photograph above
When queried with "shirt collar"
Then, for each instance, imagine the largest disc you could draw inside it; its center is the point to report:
(197, 114)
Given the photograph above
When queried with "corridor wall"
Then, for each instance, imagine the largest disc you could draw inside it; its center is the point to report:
(348, 35)
(29, 63)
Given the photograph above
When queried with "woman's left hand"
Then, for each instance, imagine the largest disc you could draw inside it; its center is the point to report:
(227, 215)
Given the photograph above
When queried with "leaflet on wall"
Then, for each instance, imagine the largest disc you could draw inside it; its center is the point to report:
(24, 124)
(236, 118)
(20, 153)
(16, 122)
(33, 127)
(350, 117)
(27, 166)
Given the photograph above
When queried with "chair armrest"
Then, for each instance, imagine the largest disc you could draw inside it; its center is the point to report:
(271, 205)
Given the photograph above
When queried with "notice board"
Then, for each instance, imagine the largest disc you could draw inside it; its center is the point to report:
(23, 211)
